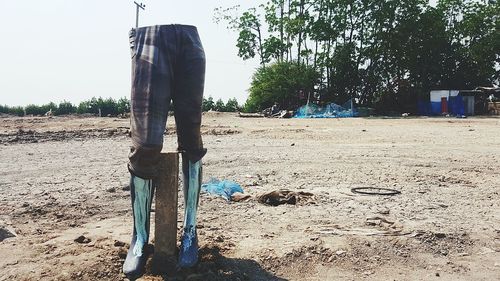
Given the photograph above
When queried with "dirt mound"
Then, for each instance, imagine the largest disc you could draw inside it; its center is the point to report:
(446, 243)
(5, 115)
(32, 136)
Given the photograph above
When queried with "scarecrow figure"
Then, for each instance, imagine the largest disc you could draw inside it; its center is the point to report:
(168, 69)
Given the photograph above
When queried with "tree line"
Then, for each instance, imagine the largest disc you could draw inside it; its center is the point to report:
(383, 53)
(104, 107)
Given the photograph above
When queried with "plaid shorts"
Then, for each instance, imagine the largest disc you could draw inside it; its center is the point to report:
(168, 68)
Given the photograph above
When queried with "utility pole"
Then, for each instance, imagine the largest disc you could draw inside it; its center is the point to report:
(138, 6)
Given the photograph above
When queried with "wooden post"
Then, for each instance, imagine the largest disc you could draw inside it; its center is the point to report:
(165, 243)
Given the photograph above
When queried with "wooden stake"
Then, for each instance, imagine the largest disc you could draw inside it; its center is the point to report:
(165, 243)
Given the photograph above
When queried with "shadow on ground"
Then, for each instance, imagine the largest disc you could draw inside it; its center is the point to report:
(212, 266)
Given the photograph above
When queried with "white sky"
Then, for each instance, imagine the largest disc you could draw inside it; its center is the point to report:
(73, 50)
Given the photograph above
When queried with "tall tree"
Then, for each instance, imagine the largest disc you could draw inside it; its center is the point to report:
(382, 53)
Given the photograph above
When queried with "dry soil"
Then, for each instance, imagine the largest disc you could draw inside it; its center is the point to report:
(65, 177)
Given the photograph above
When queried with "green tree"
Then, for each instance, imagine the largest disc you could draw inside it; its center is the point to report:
(108, 106)
(32, 109)
(232, 105)
(123, 106)
(248, 25)
(17, 110)
(83, 107)
(12, 110)
(40, 110)
(4, 109)
(64, 108)
(219, 106)
(382, 53)
(208, 104)
(285, 83)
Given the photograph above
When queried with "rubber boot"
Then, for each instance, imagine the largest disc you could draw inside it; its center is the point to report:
(142, 191)
(192, 172)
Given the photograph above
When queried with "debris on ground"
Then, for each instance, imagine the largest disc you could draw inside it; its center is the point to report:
(331, 110)
(240, 197)
(283, 196)
(282, 114)
(335, 229)
(250, 115)
(375, 191)
(224, 188)
(6, 233)
(82, 240)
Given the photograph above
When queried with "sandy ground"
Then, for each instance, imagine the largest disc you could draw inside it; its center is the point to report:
(65, 177)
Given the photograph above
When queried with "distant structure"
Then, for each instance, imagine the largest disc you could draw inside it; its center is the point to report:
(460, 102)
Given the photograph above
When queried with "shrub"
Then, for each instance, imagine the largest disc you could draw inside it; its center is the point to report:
(280, 82)
(16, 110)
(64, 108)
(232, 105)
(219, 106)
(208, 104)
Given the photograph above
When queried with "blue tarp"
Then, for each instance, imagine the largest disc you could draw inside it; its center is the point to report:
(331, 110)
(224, 188)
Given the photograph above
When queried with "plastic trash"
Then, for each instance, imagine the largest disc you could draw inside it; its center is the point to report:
(330, 110)
(224, 188)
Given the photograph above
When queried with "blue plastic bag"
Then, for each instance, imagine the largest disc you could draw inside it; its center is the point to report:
(224, 188)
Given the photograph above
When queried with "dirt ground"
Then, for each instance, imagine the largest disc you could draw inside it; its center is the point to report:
(65, 177)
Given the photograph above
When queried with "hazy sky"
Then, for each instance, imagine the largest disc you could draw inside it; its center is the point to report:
(73, 50)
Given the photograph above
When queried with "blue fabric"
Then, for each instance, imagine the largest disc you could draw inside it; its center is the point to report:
(142, 202)
(192, 194)
(224, 188)
(188, 255)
